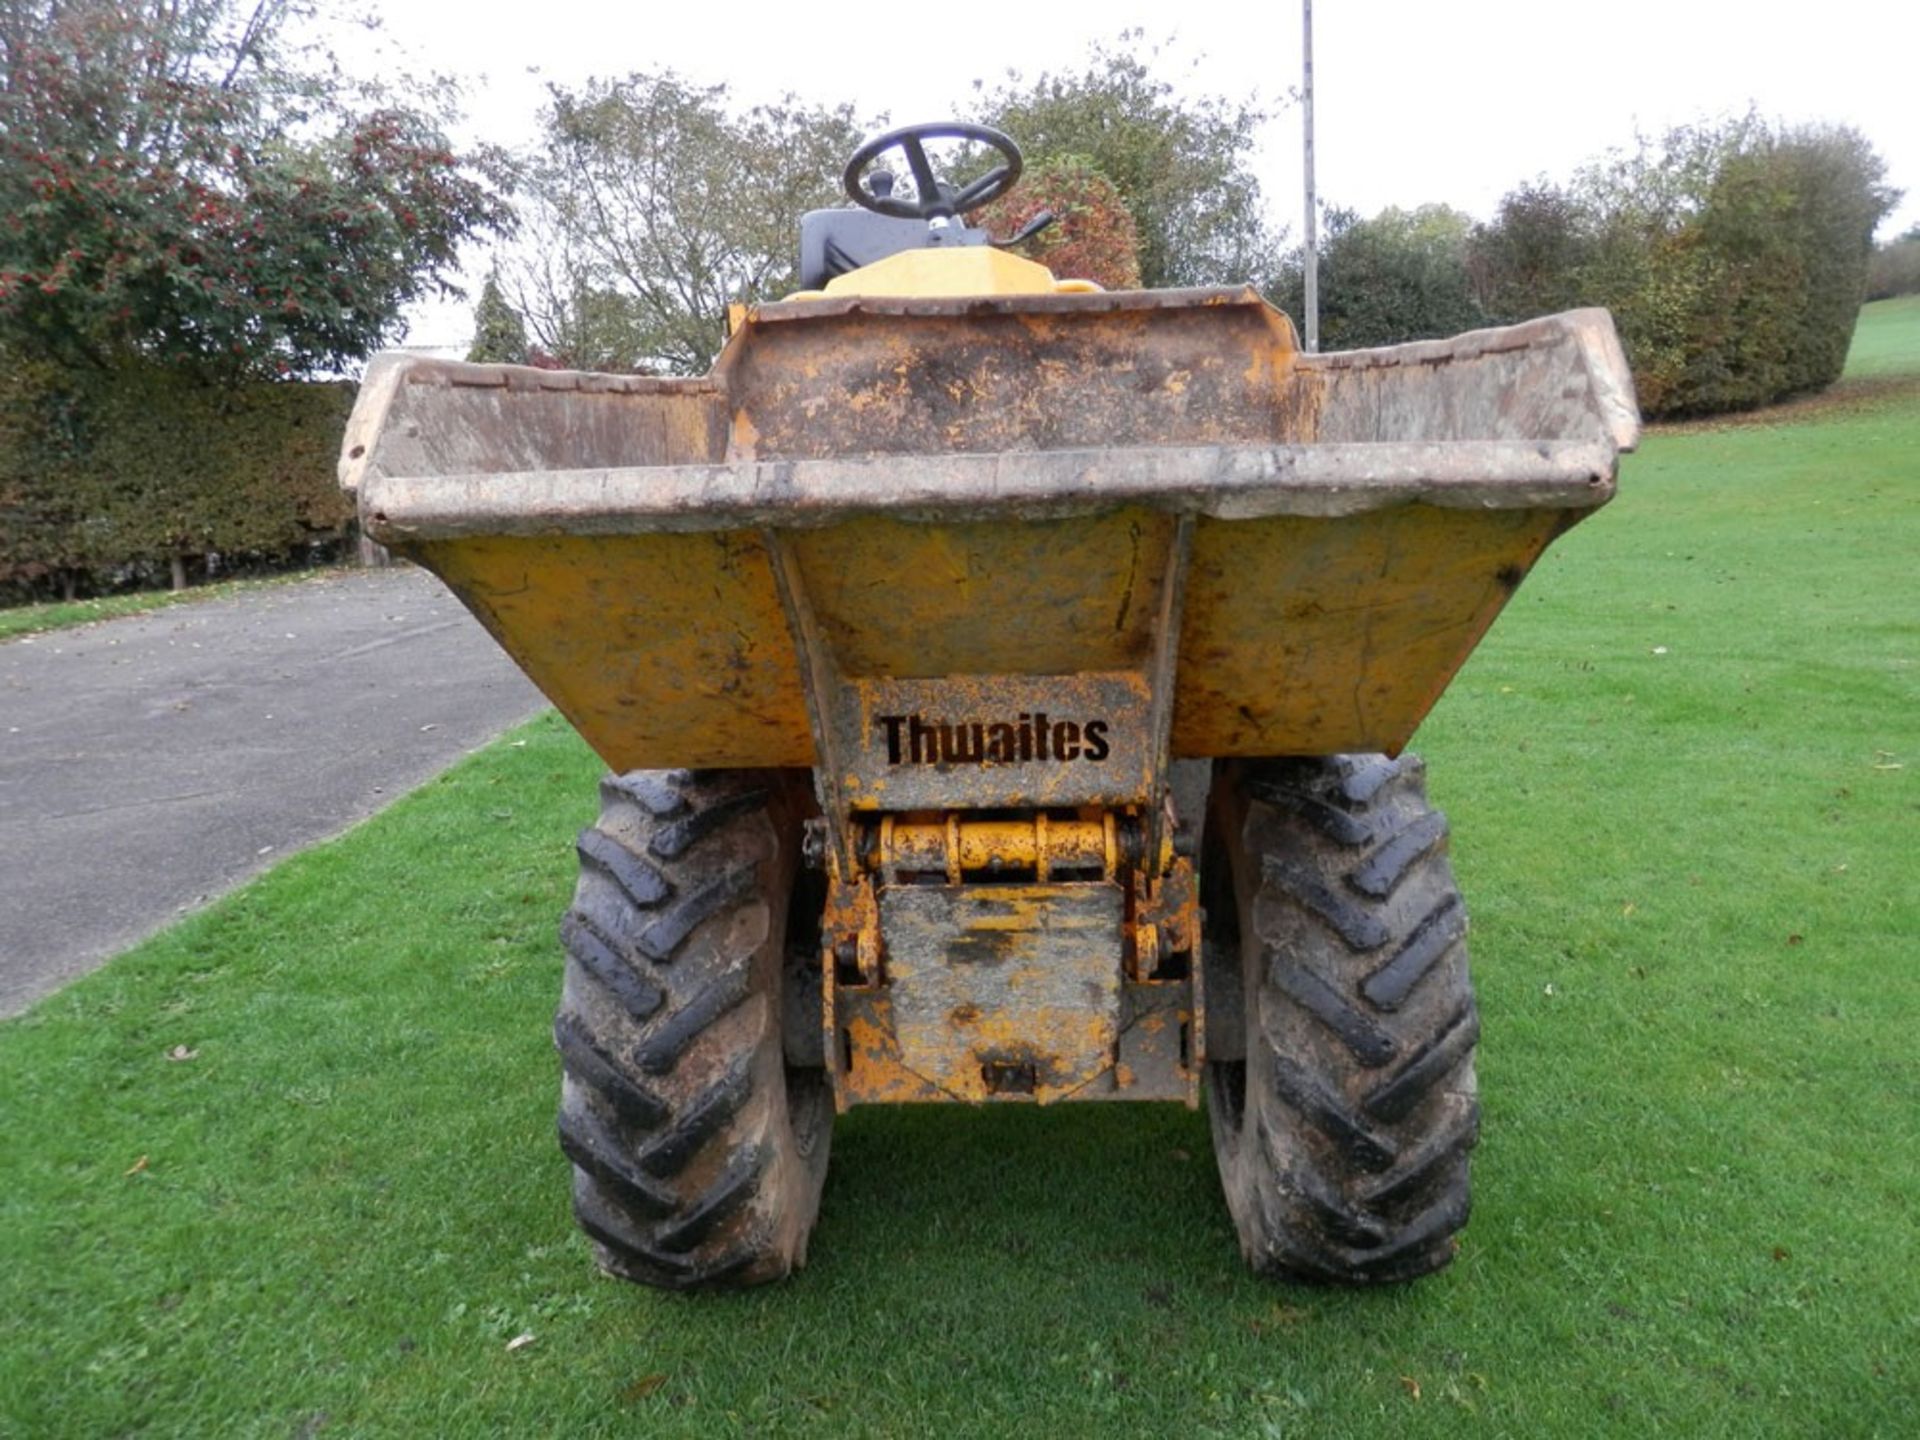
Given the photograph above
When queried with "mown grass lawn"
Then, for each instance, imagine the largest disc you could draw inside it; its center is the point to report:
(1884, 342)
(1681, 773)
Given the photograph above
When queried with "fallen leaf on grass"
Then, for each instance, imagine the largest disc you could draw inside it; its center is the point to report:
(1411, 1386)
(181, 1052)
(520, 1341)
(1281, 1317)
(136, 1167)
(643, 1387)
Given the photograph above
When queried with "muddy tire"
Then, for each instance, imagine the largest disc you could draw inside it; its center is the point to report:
(698, 1149)
(1343, 1107)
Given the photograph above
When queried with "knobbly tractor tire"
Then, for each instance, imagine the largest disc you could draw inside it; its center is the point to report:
(698, 1145)
(1343, 1108)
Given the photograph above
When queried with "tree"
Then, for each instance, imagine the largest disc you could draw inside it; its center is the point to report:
(1180, 162)
(1092, 236)
(181, 181)
(499, 334)
(654, 205)
(1525, 261)
(1401, 275)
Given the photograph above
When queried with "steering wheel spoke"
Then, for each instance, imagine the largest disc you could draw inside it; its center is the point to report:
(924, 183)
(932, 201)
(989, 185)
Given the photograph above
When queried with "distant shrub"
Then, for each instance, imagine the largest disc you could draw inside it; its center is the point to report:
(1529, 259)
(102, 471)
(1734, 258)
(1092, 237)
(1895, 268)
(1401, 275)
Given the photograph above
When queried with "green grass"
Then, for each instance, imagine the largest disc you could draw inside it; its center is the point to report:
(1681, 776)
(64, 614)
(1887, 339)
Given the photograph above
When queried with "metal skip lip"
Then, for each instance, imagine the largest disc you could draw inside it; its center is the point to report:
(1228, 483)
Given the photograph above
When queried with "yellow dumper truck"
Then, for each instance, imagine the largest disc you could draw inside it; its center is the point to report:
(1004, 685)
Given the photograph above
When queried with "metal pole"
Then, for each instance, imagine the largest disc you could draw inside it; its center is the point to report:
(1312, 305)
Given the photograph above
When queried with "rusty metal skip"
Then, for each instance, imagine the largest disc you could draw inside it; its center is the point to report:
(893, 630)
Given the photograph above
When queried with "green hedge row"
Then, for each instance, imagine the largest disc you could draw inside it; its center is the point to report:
(1735, 261)
(1733, 256)
(107, 472)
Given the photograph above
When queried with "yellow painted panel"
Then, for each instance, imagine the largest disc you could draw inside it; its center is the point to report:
(958, 270)
(1301, 635)
(1314, 636)
(1051, 597)
(663, 650)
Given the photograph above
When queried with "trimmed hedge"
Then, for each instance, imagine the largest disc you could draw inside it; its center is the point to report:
(1401, 275)
(103, 472)
(1734, 258)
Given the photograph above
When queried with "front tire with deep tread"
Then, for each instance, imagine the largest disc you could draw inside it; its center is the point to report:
(698, 1152)
(1343, 1134)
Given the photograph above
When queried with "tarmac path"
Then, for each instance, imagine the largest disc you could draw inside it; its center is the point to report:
(150, 763)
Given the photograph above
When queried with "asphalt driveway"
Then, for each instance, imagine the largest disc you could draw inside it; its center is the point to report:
(150, 763)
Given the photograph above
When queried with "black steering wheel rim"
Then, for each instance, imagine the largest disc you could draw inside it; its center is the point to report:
(935, 201)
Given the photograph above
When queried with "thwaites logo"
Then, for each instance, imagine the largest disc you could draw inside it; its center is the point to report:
(917, 740)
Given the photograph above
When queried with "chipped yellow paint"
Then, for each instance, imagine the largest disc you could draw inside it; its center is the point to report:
(1312, 636)
(963, 847)
(993, 992)
(850, 923)
(662, 650)
(1048, 597)
(877, 1075)
(1301, 635)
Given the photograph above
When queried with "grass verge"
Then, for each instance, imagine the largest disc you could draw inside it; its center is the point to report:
(1681, 775)
(64, 614)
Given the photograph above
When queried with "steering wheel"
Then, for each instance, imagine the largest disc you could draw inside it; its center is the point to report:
(936, 201)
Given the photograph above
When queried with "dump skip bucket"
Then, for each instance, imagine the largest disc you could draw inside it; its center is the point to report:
(1143, 510)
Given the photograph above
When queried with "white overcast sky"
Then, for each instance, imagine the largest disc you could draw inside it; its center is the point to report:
(1416, 102)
